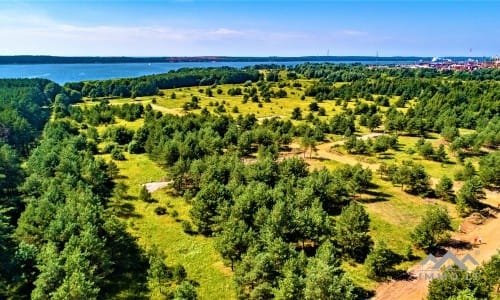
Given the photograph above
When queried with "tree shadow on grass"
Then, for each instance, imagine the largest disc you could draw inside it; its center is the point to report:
(385, 156)
(127, 210)
(376, 196)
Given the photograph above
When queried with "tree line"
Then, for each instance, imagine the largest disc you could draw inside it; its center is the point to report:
(151, 84)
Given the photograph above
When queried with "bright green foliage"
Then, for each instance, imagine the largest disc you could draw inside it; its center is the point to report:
(489, 169)
(234, 240)
(432, 230)
(158, 273)
(324, 278)
(444, 189)
(185, 291)
(351, 232)
(381, 261)
(469, 195)
(456, 283)
(144, 195)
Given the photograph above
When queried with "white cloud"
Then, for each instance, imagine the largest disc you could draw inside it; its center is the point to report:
(35, 33)
(351, 32)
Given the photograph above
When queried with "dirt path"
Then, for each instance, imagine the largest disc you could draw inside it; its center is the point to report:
(173, 111)
(154, 186)
(271, 117)
(326, 151)
(415, 288)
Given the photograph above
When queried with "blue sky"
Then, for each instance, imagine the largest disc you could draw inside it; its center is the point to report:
(250, 28)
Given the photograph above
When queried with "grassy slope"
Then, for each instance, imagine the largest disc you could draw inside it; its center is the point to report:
(196, 253)
(393, 218)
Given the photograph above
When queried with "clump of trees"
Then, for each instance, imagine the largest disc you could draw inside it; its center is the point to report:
(151, 84)
(433, 230)
(456, 283)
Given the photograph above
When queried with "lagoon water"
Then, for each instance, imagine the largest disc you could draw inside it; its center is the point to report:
(62, 73)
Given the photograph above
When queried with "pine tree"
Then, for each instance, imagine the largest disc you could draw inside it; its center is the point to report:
(351, 232)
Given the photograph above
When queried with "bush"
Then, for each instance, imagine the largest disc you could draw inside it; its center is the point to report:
(160, 210)
(433, 229)
(144, 195)
(108, 147)
(186, 227)
(135, 148)
(380, 262)
(117, 154)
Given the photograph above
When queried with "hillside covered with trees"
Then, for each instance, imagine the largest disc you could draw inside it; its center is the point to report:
(316, 181)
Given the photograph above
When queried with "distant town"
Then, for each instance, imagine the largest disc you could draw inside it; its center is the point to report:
(459, 65)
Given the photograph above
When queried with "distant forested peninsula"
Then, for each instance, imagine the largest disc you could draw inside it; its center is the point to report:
(46, 59)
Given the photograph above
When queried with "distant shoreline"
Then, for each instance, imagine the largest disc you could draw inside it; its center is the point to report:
(44, 59)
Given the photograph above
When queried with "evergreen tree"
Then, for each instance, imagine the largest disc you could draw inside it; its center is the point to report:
(351, 232)
(444, 189)
(432, 230)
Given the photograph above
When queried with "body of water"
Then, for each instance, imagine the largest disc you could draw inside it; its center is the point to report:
(62, 73)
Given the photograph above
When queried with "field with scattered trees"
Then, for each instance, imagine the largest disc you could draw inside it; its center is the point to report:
(317, 181)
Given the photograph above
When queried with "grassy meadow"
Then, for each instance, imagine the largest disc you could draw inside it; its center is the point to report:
(393, 212)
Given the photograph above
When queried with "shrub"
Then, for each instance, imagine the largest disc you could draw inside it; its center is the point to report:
(160, 210)
(186, 227)
(117, 154)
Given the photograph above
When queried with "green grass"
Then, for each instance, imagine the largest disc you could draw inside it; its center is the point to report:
(195, 252)
(393, 213)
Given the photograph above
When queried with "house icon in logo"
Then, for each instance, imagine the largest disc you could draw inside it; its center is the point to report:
(438, 263)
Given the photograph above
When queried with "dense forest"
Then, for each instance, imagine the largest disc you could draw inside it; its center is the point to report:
(151, 85)
(284, 230)
(58, 237)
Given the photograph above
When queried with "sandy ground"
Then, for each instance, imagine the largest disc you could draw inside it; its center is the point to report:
(154, 186)
(173, 111)
(415, 288)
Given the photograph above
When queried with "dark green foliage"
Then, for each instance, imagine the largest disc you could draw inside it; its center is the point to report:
(134, 148)
(160, 210)
(296, 114)
(351, 232)
(185, 291)
(81, 251)
(444, 189)
(432, 230)
(186, 227)
(409, 174)
(144, 195)
(117, 154)
(23, 110)
(489, 169)
(324, 278)
(440, 154)
(150, 85)
(204, 209)
(381, 261)
(469, 195)
(450, 133)
(456, 283)
(118, 134)
(313, 106)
